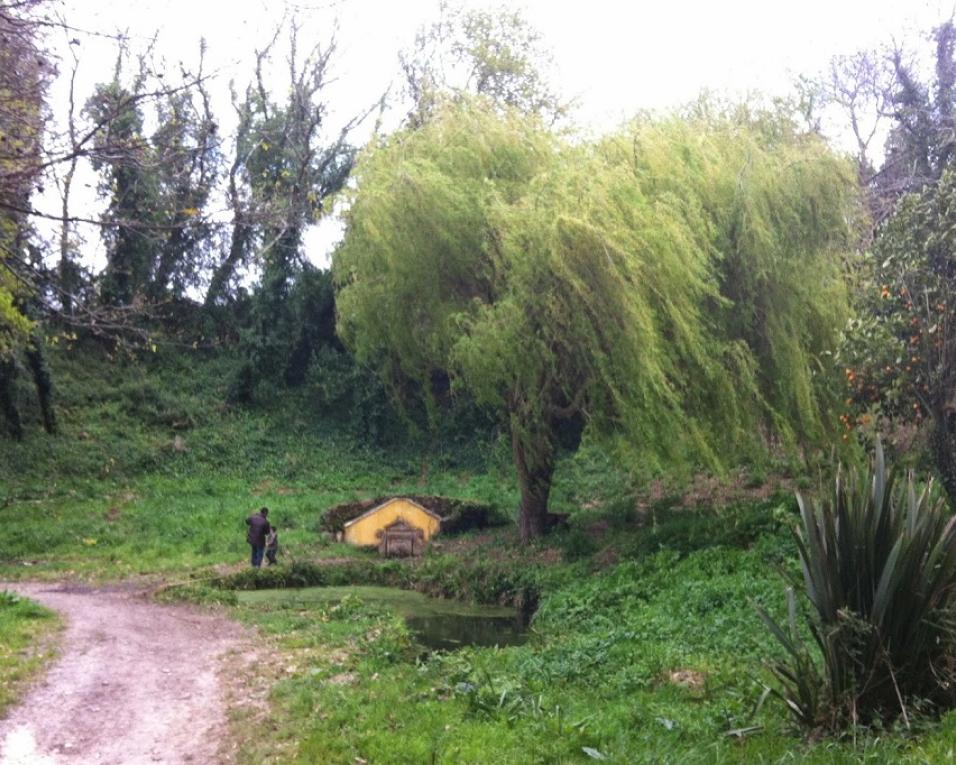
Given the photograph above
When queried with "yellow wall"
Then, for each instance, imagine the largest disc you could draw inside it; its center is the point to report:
(363, 531)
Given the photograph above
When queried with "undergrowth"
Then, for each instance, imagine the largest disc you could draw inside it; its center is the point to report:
(646, 646)
(657, 659)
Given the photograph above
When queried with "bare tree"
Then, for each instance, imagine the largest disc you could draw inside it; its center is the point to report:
(860, 84)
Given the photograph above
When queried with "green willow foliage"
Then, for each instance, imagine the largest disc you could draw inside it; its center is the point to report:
(775, 207)
(674, 282)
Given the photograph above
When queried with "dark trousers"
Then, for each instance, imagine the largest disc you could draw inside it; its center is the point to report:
(257, 555)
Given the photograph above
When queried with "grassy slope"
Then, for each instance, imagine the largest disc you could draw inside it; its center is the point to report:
(646, 647)
(152, 474)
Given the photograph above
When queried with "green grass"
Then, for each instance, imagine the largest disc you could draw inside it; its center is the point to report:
(602, 672)
(26, 644)
(152, 476)
(402, 602)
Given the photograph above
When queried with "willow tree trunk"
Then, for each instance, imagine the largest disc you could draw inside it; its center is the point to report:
(535, 470)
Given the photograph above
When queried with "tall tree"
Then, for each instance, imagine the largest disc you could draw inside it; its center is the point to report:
(886, 94)
(157, 186)
(186, 145)
(922, 140)
(900, 355)
(492, 53)
(129, 182)
(618, 284)
(285, 164)
(24, 75)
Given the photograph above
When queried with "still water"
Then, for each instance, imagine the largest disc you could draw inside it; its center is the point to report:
(435, 623)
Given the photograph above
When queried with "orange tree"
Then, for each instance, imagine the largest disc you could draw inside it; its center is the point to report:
(900, 356)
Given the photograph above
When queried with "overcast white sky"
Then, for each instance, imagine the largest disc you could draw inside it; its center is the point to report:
(614, 57)
(617, 56)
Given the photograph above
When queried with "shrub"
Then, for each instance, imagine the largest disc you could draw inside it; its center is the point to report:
(577, 544)
(879, 569)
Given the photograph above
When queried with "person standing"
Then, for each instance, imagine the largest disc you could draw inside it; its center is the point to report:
(256, 536)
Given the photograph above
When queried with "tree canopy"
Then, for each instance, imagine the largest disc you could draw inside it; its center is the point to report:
(494, 53)
(899, 354)
(671, 285)
(24, 74)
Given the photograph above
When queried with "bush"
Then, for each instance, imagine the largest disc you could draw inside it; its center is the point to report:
(441, 576)
(879, 569)
(577, 544)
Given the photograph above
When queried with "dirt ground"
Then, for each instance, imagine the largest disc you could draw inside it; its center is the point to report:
(135, 682)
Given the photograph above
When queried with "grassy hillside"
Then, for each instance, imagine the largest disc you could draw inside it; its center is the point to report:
(646, 646)
(152, 472)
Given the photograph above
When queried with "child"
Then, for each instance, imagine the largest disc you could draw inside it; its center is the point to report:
(272, 546)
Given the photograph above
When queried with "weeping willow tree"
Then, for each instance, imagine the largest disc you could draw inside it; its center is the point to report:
(669, 286)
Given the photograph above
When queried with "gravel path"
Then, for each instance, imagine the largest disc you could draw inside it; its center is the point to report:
(135, 682)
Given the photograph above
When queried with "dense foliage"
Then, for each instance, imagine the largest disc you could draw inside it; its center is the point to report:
(899, 354)
(24, 75)
(156, 237)
(879, 567)
(25, 72)
(674, 282)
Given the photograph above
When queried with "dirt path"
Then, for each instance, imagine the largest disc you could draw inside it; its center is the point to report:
(136, 682)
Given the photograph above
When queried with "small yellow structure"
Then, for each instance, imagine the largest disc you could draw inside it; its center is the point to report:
(367, 530)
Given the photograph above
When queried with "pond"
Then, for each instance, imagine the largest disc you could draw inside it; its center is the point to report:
(435, 623)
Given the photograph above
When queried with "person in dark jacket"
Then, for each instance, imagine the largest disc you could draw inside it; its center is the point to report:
(256, 536)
